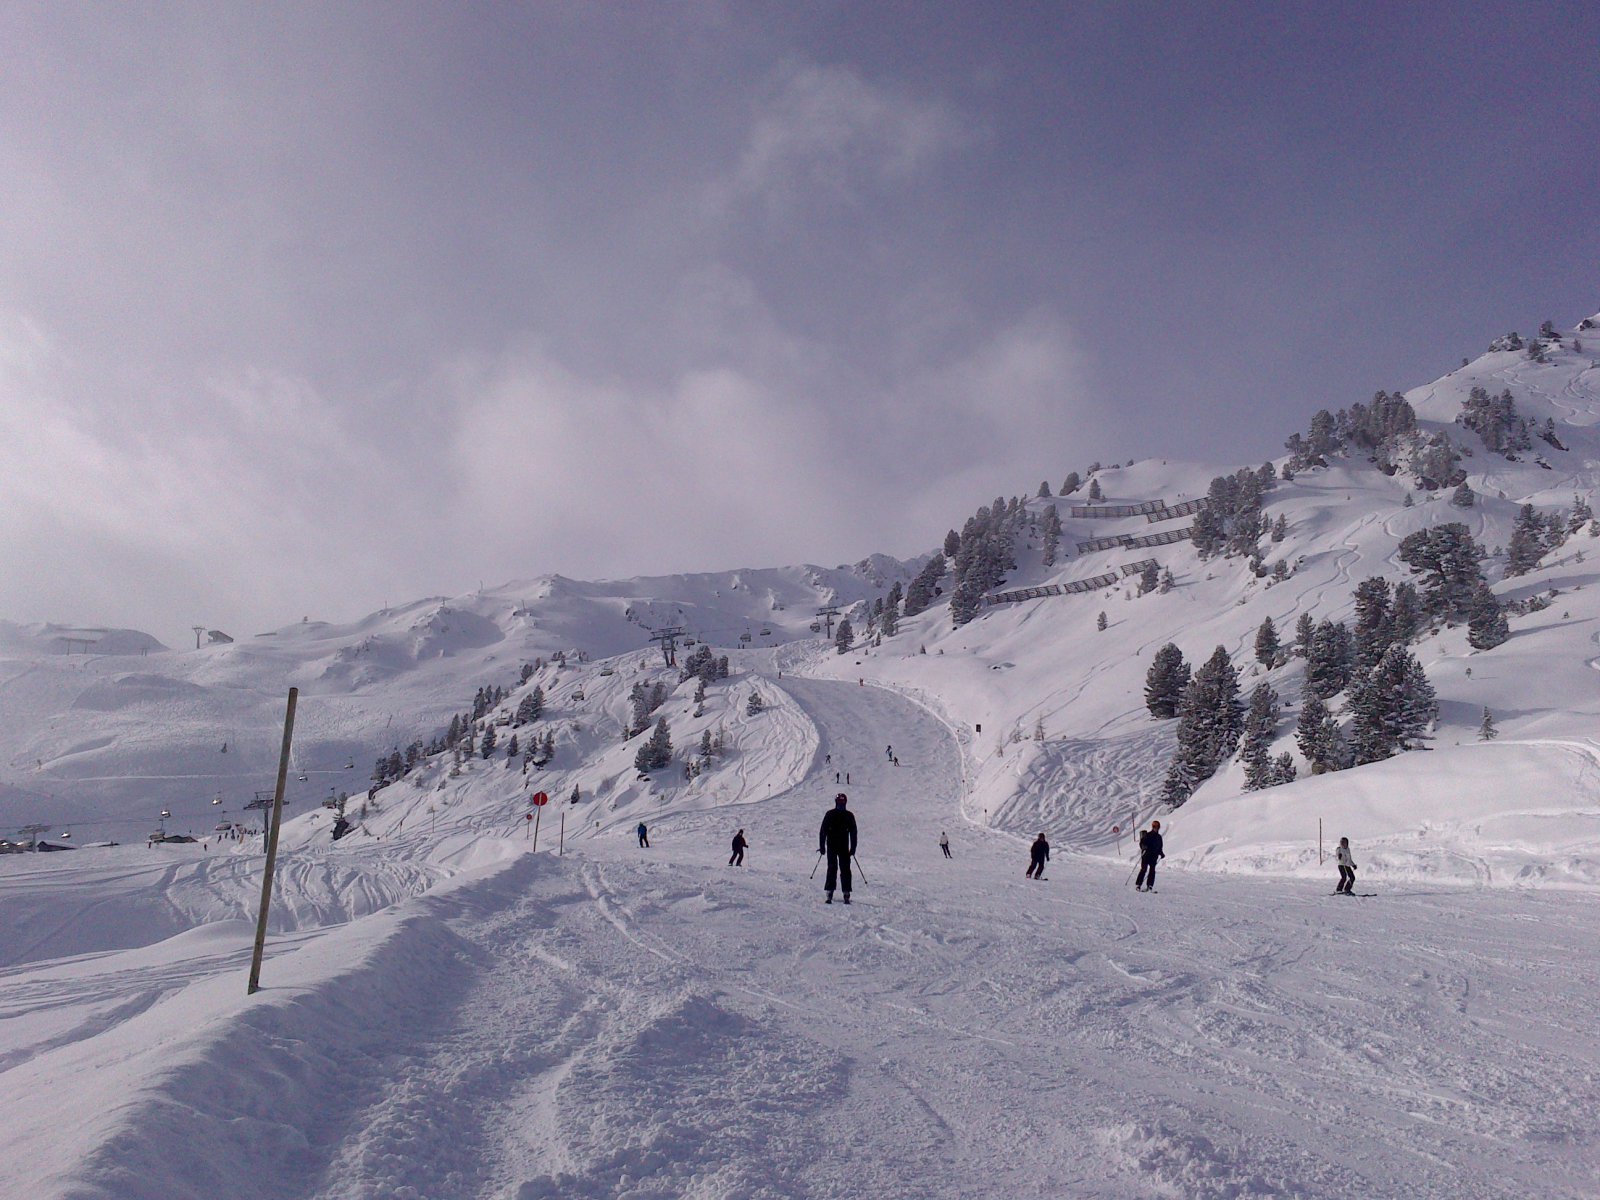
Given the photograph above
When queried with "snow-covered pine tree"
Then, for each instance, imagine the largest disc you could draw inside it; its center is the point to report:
(1463, 496)
(1304, 630)
(704, 753)
(1527, 545)
(754, 705)
(1071, 483)
(1486, 730)
(1374, 630)
(1405, 614)
(1179, 784)
(1100, 621)
(512, 749)
(1094, 490)
(1052, 536)
(1044, 490)
(1317, 735)
(889, 622)
(1580, 515)
(1267, 645)
(1210, 717)
(1165, 682)
(964, 600)
(920, 594)
(1446, 559)
(1283, 769)
(1280, 528)
(1328, 665)
(488, 741)
(1391, 707)
(1486, 621)
(1167, 582)
(1149, 578)
(952, 544)
(1260, 727)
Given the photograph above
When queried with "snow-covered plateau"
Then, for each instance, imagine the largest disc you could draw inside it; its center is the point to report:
(453, 1009)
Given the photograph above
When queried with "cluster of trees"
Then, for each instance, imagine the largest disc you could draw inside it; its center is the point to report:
(1496, 422)
(1533, 535)
(704, 664)
(656, 750)
(1361, 428)
(645, 701)
(925, 587)
(982, 553)
(1231, 521)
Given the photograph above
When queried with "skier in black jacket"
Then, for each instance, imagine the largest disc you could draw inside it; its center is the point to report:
(837, 839)
(738, 849)
(1149, 852)
(1039, 854)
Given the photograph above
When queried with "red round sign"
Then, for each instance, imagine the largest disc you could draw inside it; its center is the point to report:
(540, 799)
(1116, 829)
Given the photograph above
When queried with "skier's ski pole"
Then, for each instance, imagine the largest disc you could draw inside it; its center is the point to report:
(818, 864)
(859, 871)
(1132, 873)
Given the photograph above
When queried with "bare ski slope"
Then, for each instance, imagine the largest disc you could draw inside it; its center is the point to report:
(654, 1023)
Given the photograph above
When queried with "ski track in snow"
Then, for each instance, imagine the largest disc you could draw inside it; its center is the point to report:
(654, 1023)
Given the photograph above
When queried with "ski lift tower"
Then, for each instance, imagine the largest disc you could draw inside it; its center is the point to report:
(668, 638)
(828, 613)
(263, 801)
(199, 634)
(32, 832)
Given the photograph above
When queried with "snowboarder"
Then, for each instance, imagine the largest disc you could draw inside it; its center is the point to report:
(1039, 855)
(837, 839)
(738, 850)
(944, 844)
(1347, 869)
(1150, 852)
(644, 835)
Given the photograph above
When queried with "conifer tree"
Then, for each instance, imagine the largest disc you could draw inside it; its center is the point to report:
(1094, 490)
(1210, 717)
(1391, 707)
(1280, 528)
(1329, 662)
(889, 623)
(1486, 621)
(1527, 545)
(1446, 560)
(1405, 614)
(1149, 578)
(1052, 536)
(531, 706)
(705, 746)
(512, 749)
(1260, 727)
(1374, 627)
(1283, 769)
(1267, 644)
(1167, 582)
(952, 544)
(1486, 730)
(1100, 622)
(1463, 496)
(1317, 735)
(1071, 483)
(1304, 630)
(488, 741)
(1044, 490)
(754, 705)
(845, 637)
(1165, 682)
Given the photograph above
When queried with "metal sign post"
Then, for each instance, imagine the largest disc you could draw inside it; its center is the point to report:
(1117, 829)
(272, 844)
(561, 846)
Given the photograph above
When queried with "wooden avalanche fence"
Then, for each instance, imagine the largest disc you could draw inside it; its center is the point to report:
(1165, 538)
(1076, 587)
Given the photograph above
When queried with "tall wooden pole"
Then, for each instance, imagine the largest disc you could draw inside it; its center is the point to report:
(272, 844)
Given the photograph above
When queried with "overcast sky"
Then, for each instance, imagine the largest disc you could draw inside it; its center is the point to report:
(309, 307)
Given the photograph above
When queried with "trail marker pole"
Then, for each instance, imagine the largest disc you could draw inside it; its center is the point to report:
(540, 799)
(561, 845)
(1117, 829)
(272, 844)
(1319, 841)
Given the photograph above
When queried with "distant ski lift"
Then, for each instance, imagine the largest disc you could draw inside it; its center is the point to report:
(607, 671)
(217, 799)
(744, 637)
(66, 835)
(221, 827)
(302, 777)
(351, 765)
(165, 814)
(578, 694)
(766, 633)
(816, 627)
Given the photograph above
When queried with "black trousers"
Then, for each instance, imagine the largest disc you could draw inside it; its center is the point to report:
(1147, 872)
(947, 853)
(838, 870)
(738, 857)
(1036, 867)
(1347, 879)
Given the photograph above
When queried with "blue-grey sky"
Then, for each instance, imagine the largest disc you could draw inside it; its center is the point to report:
(306, 307)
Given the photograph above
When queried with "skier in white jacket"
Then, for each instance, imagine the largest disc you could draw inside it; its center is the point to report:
(1347, 869)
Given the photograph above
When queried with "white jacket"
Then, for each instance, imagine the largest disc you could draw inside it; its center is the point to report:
(1344, 858)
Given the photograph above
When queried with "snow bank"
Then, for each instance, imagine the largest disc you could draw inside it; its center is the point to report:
(1498, 813)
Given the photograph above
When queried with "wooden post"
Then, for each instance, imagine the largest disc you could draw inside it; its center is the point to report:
(1319, 841)
(272, 844)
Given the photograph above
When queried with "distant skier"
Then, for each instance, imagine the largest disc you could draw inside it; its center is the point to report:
(1347, 869)
(944, 844)
(888, 752)
(738, 850)
(1150, 852)
(644, 835)
(837, 839)
(1038, 856)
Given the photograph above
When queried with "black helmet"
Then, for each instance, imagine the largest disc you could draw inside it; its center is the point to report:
(840, 798)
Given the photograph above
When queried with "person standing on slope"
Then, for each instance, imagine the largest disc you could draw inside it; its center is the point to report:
(944, 844)
(1150, 852)
(1347, 869)
(644, 835)
(1040, 854)
(738, 850)
(837, 839)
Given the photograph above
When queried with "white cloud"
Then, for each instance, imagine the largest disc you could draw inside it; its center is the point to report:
(825, 131)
